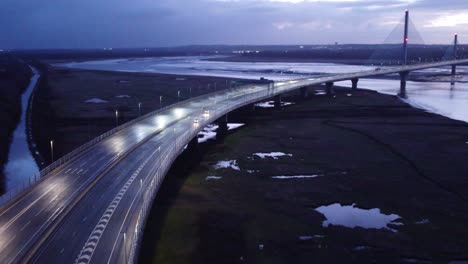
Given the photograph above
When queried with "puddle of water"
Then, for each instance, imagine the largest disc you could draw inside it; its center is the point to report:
(273, 155)
(209, 132)
(225, 164)
(360, 248)
(423, 222)
(271, 104)
(96, 101)
(305, 238)
(351, 216)
(295, 177)
(209, 178)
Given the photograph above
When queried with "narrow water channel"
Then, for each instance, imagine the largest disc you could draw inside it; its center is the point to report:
(21, 164)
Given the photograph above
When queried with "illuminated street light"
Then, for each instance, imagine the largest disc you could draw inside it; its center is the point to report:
(179, 112)
(116, 117)
(52, 150)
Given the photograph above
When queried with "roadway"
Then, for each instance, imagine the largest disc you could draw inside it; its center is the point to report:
(92, 208)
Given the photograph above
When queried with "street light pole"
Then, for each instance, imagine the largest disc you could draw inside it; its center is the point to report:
(125, 246)
(139, 108)
(160, 101)
(116, 117)
(175, 139)
(52, 150)
(178, 95)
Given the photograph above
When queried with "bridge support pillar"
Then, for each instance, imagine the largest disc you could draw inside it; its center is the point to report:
(222, 130)
(354, 84)
(403, 78)
(454, 72)
(277, 100)
(193, 144)
(329, 88)
(304, 92)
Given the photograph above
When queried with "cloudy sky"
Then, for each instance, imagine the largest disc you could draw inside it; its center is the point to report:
(149, 23)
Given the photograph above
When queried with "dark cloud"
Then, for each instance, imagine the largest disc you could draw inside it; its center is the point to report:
(138, 23)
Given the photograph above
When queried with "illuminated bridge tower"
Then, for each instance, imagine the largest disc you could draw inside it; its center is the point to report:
(404, 74)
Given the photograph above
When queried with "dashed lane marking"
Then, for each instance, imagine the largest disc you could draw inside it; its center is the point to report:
(88, 249)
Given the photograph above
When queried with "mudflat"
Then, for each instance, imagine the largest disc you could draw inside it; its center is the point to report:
(360, 148)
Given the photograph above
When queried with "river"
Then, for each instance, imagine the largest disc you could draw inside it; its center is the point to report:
(21, 164)
(434, 95)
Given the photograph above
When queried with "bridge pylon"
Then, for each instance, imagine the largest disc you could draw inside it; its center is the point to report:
(329, 88)
(455, 50)
(304, 92)
(354, 83)
(277, 101)
(405, 39)
(222, 130)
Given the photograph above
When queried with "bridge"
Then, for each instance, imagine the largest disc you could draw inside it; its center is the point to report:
(92, 204)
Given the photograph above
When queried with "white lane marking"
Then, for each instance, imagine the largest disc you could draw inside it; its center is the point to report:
(52, 216)
(74, 171)
(8, 242)
(61, 251)
(22, 228)
(57, 173)
(67, 171)
(123, 223)
(88, 249)
(38, 213)
(53, 199)
(25, 209)
(47, 220)
(79, 171)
